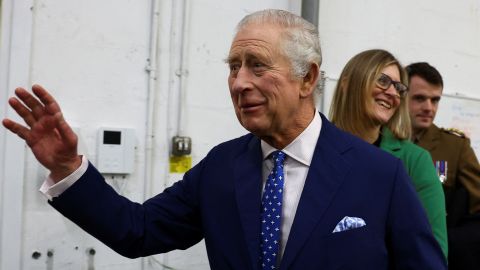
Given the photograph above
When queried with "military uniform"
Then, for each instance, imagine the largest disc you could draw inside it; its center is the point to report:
(458, 167)
(455, 160)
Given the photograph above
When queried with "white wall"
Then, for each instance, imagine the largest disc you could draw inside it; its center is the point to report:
(92, 55)
(444, 33)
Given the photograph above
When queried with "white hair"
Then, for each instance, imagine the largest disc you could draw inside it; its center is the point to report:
(300, 42)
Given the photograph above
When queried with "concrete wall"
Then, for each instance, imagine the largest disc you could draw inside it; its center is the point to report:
(94, 57)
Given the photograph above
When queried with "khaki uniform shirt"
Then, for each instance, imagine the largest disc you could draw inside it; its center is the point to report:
(461, 164)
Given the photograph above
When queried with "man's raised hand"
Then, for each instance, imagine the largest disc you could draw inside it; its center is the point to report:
(50, 138)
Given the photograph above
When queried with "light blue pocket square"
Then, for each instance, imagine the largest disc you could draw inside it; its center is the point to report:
(348, 223)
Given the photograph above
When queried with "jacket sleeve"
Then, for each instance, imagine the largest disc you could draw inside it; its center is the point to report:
(469, 174)
(411, 239)
(165, 222)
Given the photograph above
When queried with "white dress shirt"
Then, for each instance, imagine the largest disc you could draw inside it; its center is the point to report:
(299, 156)
(51, 189)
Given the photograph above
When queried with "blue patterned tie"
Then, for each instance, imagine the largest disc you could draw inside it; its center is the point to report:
(272, 214)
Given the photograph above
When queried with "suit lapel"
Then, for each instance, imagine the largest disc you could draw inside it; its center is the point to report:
(326, 174)
(248, 188)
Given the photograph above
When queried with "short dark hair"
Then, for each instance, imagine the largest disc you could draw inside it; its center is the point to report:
(425, 71)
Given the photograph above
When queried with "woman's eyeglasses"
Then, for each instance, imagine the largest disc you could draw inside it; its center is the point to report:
(384, 81)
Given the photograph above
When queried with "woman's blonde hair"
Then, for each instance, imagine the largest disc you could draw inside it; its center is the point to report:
(352, 104)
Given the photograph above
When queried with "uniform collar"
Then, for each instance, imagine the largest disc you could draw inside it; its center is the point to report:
(428, 139)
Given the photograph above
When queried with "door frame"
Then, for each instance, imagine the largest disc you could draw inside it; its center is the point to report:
(15, 50)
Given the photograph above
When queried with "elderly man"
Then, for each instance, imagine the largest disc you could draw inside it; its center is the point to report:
(295, 193)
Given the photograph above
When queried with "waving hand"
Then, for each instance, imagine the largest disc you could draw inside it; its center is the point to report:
(50, 138)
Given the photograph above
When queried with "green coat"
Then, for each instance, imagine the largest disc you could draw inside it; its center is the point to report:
(419, 166)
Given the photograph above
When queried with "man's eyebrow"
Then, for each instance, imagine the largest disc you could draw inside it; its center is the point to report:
(249, 56)
(230, 58)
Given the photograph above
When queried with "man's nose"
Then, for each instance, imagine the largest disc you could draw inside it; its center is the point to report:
(242, 80)
(427, 105)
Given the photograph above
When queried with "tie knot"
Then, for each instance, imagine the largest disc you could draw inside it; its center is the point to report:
(278, 157)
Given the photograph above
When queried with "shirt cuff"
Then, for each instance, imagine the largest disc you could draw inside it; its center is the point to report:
(50, 189)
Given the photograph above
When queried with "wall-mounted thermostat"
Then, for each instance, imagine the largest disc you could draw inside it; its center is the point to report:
(116, 150)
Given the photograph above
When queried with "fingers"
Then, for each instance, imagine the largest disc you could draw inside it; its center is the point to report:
(32, 104)
(50, 103)
(31, 108)
(22, 111)
(53, 108)
(65, 130)
(16, 128)
(35, 108)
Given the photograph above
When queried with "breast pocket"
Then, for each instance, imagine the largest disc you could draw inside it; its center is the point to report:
(357, 248)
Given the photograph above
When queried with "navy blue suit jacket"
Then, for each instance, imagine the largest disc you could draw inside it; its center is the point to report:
(219, 200)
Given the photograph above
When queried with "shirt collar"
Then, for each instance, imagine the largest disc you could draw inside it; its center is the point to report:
(302, 148)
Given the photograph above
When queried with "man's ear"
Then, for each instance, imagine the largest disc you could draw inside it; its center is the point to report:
(309, 81)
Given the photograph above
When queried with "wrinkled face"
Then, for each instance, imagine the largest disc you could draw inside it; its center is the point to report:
(264, 92)
(386, 102)
(423, 102)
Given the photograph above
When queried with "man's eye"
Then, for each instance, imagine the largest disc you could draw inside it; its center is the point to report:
(258, 68)
(419, 99)
(234, 67)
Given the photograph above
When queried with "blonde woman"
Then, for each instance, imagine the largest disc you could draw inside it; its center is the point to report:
(370, 102)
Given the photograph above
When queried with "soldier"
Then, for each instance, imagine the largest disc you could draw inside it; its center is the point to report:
(455, 161)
